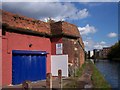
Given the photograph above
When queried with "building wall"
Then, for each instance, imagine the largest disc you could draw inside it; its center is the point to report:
(54, 41)
(82, 57)
(105, 52)
(18, 21)
(68, 48)
(58, 31)
(0, 58)
(14, 41)
(74, 51)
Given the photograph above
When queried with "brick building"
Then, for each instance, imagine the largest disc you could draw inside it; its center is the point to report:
(23, 34)
(25, 40)
(68, 35)
(105, 52)
(101, 53)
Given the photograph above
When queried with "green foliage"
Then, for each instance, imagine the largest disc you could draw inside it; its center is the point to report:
(73, 83)
(114, 51)
(97, 78)
(80, 70)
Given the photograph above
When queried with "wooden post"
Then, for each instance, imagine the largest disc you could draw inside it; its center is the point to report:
(26, 85)
(49, 81)
(60, 78)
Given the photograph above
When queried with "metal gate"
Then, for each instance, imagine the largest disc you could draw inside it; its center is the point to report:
(28, 65)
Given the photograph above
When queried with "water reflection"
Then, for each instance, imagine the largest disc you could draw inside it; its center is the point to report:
(110, 71)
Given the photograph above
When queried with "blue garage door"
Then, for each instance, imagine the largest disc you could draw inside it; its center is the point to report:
(28, 65)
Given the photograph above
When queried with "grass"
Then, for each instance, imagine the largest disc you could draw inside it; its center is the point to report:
(73, 82)
(80, 70)
(98, 79)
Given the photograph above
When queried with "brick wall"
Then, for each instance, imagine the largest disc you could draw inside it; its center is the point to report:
(54, 41)
(65, 28)
(56, 28)
(68, 48)
(23, 22)
(66, 33)
(74, 50)
(70, 29)
(82, 56)
(15, 41)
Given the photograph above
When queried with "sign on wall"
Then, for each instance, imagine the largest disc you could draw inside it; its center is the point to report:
(59, 48)
(59, 62)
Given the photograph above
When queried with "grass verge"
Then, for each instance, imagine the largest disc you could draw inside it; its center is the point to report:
(98, 79)
(73, 83)
(80, 70)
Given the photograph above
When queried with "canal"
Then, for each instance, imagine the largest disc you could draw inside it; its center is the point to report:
(109, 69)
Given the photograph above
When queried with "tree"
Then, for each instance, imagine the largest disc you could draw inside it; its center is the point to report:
(114, 52)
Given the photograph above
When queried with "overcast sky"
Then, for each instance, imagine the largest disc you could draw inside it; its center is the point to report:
(97, 22)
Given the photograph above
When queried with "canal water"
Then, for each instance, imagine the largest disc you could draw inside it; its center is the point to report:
(110, 71)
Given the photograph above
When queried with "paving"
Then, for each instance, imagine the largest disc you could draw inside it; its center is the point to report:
(38, 84)
(82, 82)
(86, 77)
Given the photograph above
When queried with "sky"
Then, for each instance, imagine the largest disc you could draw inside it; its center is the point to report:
(97, 22)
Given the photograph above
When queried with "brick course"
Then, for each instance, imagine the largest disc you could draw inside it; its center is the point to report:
(25, 23)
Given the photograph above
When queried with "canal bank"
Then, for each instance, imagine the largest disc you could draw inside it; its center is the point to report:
(88, 77)
(98, 79)
(109, 70)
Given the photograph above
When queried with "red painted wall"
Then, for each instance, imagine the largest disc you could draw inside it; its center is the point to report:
(14, 41)
(54, 41)
(0, 57)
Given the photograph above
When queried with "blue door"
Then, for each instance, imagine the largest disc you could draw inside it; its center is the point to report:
(28, 65)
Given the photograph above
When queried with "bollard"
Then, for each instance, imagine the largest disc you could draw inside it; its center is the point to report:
(60, 78)
(26, 85)
(49, 81)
